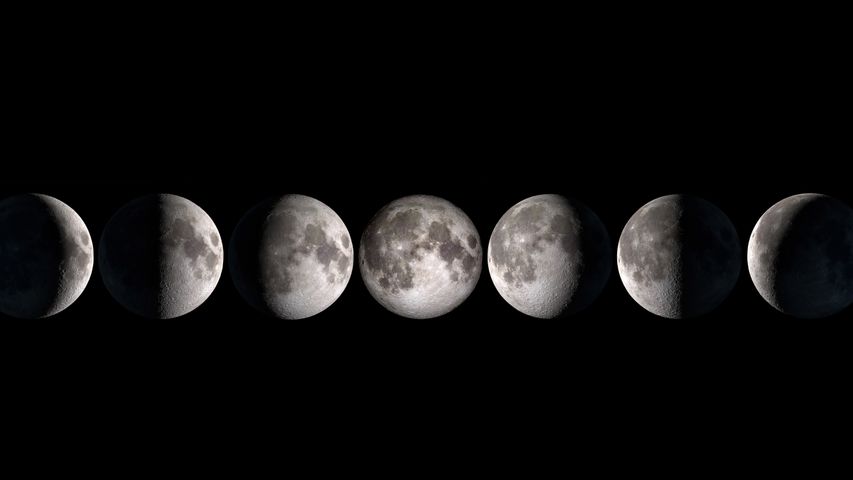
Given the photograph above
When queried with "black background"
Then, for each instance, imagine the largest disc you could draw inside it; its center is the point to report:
(614, 108)
(612, 118)
(743, 133)
(502, 176)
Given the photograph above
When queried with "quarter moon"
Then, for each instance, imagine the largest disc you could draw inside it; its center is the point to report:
(291, 257)
(679, 256)
(420, 256)
(800, 255)
(160, 256)
(46, 256)
(549, 256)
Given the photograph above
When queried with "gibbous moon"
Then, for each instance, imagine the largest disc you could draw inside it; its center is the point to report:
(160, 256)
(46, 256)
(420, 256)
(800, 255)
(291, 257)
(549, 256)
(679, 256)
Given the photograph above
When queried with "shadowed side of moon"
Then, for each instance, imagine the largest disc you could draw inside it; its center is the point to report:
(549, 256)
(291, 257)
(679, 256)
(46, 256)
(420, 256)
(800, 255)
(160, 256)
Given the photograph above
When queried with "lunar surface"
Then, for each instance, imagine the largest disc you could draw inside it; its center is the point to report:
(160, 256)
(800, 255)
(549, 256)
(291, 257)
(46, 256)
(420, 256)
(679, 256)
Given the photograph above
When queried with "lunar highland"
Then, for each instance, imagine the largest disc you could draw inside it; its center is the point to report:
(46, 256)
(679, 256)
(800, 255)
(549, 256)
(420, 256)
(291, 257)
(160, 256)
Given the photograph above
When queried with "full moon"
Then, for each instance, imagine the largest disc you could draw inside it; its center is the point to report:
(549, 256)
(291, 257)
(679, 256)
(46, 256)
(160, 256)
(800, 256)
(420, 256)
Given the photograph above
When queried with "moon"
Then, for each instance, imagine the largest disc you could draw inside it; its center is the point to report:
(160, 256)
(800, 256)
(420, 256)
(46, 256)
(291, 257)
(679, 256)
(549, 256)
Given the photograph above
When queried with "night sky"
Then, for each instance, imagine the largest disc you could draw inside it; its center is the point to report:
(614, 109)
(483, 135)
(467, 172)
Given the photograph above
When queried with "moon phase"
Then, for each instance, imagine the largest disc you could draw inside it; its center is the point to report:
(291, 257)
(160, 256)
(549, 256)
(800, 255)
(679, 256)
(46, 256)
(420, 256)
